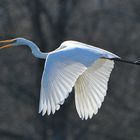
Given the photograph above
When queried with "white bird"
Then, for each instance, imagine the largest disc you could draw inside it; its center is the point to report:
(73, 64)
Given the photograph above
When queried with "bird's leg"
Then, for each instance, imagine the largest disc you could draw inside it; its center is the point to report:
(126, 61)
(138, 61)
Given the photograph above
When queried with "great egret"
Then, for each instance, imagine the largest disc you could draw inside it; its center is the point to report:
(73, 64)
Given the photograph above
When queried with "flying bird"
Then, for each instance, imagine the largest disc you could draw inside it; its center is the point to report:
(73, 64)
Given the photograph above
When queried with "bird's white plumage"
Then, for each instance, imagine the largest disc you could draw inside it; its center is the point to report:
(75, 64)
(58, 80)
(91, 87)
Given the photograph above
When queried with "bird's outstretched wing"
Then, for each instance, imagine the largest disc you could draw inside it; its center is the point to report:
(91, 87)
(58, 79)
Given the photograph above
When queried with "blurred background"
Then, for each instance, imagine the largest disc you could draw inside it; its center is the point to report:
(113, 25)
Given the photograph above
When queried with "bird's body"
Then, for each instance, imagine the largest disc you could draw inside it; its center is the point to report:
(80, 52)
(73, 64)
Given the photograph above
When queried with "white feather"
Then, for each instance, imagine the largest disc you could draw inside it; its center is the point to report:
(90, 88)
(57, 81)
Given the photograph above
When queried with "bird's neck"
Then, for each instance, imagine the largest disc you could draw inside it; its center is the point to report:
(35, 50)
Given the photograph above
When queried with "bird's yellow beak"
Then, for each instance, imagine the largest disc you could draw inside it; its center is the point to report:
(7, 43)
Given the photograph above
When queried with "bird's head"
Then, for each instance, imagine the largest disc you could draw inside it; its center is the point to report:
(12, 42)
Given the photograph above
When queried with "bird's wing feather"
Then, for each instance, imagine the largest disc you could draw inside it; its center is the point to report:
(58, 79)
(91, 87)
